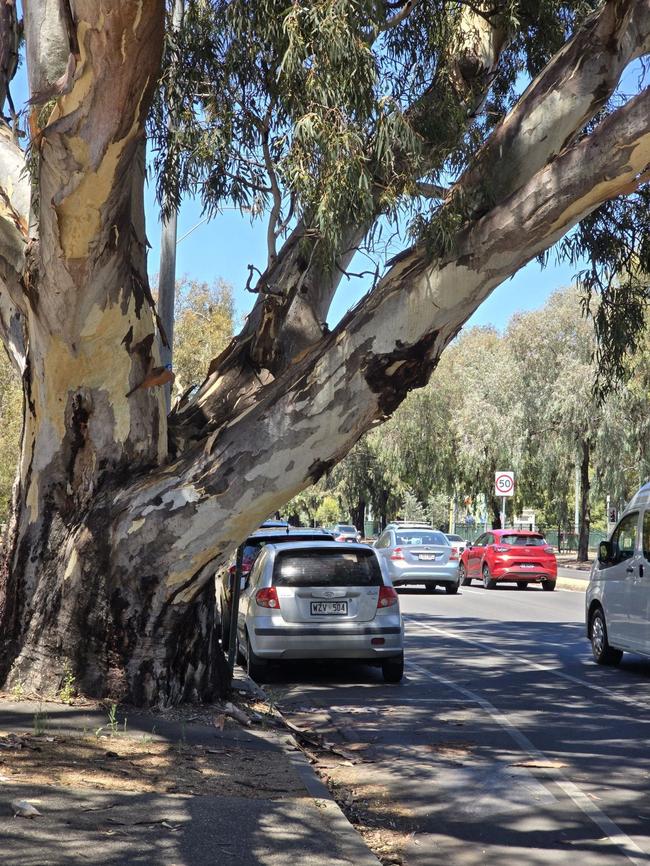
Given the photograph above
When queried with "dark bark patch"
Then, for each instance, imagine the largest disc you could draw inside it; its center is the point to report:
(394, 374)
(128, 339)
(319, 468)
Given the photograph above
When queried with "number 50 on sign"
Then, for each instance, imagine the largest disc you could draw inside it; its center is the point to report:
(504, 483)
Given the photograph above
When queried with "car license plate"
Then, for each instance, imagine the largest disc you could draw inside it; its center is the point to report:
(427, 556)
(329, 608)
(526, 565)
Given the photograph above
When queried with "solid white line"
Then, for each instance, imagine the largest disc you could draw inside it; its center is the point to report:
(579, 798)
(633, 702)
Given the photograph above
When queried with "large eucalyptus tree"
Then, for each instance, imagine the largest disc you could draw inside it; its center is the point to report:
(328, 115)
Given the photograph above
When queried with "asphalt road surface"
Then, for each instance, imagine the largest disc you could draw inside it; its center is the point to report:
(505, 744)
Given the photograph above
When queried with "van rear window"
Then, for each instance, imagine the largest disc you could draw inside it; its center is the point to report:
(322, 567)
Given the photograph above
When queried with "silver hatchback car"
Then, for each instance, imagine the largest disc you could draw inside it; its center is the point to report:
(419, 555)
(320, 600)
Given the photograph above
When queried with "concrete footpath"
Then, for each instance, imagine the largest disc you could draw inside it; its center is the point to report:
(286, 814)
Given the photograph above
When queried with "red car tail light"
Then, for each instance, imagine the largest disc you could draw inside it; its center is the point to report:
(387, 597)
(549, 550)
(397, 553)
(268, 597)
(501, 549)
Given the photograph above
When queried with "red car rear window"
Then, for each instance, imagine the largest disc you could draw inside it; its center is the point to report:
(523, 540)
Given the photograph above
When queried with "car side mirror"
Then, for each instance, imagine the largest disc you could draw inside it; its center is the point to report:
(605, 552)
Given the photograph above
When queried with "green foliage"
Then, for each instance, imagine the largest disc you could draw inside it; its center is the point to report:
(412, 508)
(68, 688)
(11, 411)
(327, 512)
(330, 109)
(204, 325)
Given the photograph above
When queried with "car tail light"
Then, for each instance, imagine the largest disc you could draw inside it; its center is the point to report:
(387, 597)
(268, 597)
(501, 549)
(549, 550)
(340, 538)
(397, 553)
(453, 554)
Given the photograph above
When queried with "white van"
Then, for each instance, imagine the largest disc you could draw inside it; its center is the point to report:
(618, 595)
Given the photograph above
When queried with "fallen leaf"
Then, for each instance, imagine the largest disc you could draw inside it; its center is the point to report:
(24, 809)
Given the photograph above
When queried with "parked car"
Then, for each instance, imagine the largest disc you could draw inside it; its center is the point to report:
(320, 600)
(457, 542)
(618, 595)
(346, 532)
(418, 556)
(225, 578)
(509, 556)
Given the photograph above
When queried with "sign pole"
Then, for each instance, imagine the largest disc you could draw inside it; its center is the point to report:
(503, 513)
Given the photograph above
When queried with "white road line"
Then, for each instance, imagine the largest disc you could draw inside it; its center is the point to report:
(635, 702)
(604, 823)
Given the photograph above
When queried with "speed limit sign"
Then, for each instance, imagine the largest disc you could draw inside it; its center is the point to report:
(504, 483)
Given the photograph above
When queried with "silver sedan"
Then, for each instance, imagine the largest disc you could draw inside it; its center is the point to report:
(419, 556)
(320, 600)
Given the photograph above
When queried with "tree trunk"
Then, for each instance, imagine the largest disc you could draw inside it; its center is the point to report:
(496, 513)
(114, 541)
(585, 517)
(358, 515)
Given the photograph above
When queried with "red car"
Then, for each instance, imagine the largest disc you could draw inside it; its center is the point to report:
(509, 556)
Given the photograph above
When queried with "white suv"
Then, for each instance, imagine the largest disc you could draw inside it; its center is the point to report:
(618, 595)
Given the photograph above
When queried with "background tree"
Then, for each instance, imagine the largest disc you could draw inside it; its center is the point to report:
(325, 117)
(204, 325)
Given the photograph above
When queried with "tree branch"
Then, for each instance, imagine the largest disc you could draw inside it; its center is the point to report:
(306, 421)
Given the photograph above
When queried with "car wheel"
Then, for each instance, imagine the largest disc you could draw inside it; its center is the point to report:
(451, 588)
(488, 582)
(522, 584)
(393, 669)
(548, 585)
(602, 652)
(462, 575)
(255, 666)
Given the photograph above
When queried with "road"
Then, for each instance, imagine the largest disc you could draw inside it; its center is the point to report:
(505, 745)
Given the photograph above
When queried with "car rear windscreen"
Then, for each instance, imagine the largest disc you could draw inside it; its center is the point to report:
(524, 540)
(420, 536)
(326, 568)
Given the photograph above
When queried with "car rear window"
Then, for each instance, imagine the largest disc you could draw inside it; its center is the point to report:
(326, 568)
(252, 547)
(343, 528)
(421, 536)
(524, 540)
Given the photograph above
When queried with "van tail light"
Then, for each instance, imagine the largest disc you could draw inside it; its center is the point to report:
(501, 549)
(397, 553)
(268, 597)
(387, 597)
(453, 555)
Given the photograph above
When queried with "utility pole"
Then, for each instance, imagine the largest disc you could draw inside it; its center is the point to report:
(167, 274)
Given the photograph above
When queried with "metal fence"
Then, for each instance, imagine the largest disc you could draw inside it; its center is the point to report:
(563, 540)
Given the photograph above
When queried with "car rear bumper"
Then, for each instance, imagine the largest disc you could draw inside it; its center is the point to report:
(513, 573)
(427, 576)
(284, 640)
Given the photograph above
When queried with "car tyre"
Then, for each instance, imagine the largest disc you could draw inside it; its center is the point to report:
(488, 582)
(548, 585)
(393, 669)
(462, 576)
(452, 588)
(522, 584)
(603, 653)
(256, 668)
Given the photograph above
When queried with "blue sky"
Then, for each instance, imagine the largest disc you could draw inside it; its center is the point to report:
(223, 248)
